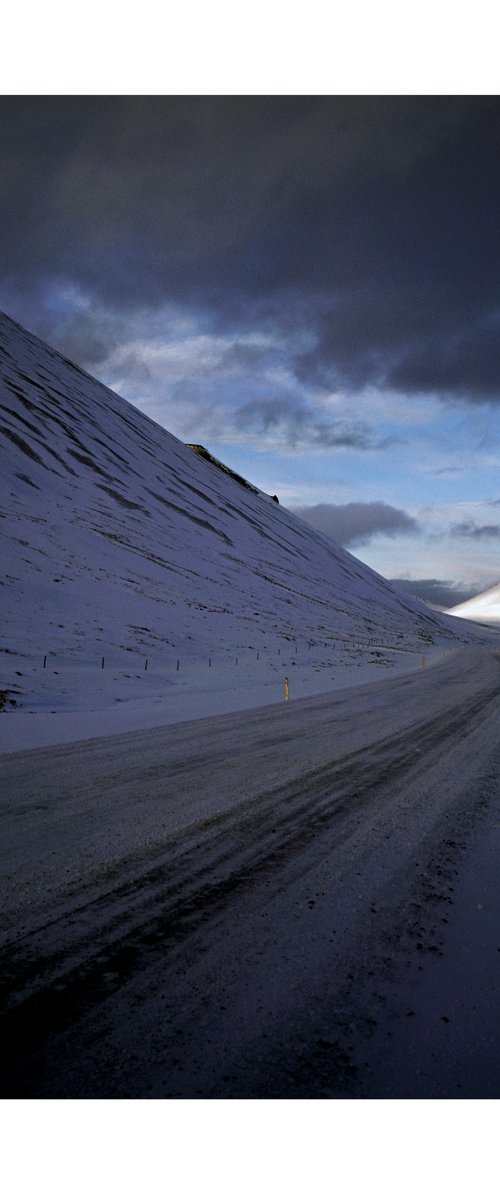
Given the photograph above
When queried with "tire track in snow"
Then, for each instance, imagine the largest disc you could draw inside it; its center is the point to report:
(79, 959)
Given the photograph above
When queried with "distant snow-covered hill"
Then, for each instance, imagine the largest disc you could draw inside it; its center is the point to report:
(484, 608)
(121, 547)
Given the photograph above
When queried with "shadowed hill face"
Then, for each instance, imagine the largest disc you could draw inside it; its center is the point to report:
(117, 538)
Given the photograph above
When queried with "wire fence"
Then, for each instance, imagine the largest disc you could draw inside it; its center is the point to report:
(176, 660)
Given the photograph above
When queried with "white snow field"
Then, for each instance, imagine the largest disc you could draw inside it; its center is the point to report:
(141, 584)
(207, 891)
(260, 906)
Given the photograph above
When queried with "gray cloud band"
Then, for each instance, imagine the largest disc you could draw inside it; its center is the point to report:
(356, 523)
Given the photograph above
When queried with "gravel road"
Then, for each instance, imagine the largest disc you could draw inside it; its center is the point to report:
(245, 906)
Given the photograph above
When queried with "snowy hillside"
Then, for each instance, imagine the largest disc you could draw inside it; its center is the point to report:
(135, 572)
(484, 608)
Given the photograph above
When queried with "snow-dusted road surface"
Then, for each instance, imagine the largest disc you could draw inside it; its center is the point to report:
(244, 906)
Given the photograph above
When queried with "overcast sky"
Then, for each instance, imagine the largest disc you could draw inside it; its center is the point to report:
(308, 285)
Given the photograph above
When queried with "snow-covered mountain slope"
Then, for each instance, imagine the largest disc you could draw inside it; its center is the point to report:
(131, 565)
(484, 608)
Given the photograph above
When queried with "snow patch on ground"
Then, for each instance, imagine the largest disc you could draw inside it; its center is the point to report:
(114, 703)
(143, 585)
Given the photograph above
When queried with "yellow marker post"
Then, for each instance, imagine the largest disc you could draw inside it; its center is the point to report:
(423, 662)
(286, 687)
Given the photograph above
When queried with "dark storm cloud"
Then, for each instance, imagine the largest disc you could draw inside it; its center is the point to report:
(372, 223)
(441, 592)
(300, 424)
(87, 336)
(356, 523)
(467, 529)
(438, 471)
